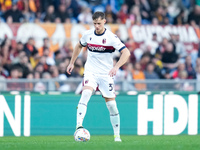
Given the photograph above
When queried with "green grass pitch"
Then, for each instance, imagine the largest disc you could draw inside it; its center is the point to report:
(181, 142)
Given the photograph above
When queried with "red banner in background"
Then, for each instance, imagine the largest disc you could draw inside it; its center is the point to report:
(59, 33)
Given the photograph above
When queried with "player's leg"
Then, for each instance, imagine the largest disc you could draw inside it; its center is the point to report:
(82, 105)
(114, 117)
(89, 85)
(106, 86)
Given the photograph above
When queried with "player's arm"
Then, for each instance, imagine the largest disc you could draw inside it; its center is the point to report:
(75, 54)
(125, 54)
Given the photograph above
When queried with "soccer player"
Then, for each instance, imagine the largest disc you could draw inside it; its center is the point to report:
(99, 69)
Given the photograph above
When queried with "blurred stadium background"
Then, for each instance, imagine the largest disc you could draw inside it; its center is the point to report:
(37, 38)
(36, 43)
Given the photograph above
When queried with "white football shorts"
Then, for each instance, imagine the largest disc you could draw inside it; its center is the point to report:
(104, 83)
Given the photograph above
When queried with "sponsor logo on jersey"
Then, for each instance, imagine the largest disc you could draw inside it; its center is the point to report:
(100, 48)
(104, 41)
(96, 48)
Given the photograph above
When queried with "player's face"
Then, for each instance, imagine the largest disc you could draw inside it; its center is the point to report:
(99, 25)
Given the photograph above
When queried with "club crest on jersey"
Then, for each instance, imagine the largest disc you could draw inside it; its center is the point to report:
(90, 38)
(104, 41)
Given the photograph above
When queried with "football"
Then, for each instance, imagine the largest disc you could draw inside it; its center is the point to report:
(82, 135)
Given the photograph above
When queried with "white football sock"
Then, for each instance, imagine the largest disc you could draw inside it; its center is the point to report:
(82, 106)
(114, 116)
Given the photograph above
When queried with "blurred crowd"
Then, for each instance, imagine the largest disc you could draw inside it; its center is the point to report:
(128, 12)
(152, 60)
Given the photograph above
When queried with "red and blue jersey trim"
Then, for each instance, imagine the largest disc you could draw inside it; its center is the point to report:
(82, 44)
(122, 48)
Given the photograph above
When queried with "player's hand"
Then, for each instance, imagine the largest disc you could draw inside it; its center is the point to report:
(70, 68)
(113, 71)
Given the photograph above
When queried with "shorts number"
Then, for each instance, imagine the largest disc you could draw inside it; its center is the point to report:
(111, 87)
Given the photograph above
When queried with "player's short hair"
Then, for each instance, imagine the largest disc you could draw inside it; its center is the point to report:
(98, 14)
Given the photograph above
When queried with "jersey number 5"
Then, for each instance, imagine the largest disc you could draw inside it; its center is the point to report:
(110, 87)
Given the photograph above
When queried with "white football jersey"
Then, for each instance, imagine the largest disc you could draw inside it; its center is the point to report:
(100, 50)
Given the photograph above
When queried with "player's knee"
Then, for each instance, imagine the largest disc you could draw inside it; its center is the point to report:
(86, 94)
(112, 107)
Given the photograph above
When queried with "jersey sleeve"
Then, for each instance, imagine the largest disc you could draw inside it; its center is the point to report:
(83, 40)
(117, 44)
